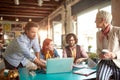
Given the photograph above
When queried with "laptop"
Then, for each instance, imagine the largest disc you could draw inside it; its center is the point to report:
(59, 65)
(91, 63)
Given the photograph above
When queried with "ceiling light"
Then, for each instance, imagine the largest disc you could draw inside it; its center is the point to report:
(17, 19)
(40, 2)
(16, 2)
(30, 20)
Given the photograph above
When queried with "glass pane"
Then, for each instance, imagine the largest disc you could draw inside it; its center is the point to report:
(57, 29)
(87, 30)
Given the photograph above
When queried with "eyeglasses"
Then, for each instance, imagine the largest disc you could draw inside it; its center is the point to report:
(71, 40)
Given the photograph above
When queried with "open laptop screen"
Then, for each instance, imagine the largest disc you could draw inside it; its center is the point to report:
(58, 65)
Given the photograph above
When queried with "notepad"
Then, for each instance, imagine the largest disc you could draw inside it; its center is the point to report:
(85, 71)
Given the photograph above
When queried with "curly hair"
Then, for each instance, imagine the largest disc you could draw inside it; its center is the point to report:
(68, 36)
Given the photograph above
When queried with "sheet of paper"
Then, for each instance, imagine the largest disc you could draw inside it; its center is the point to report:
(80, 65)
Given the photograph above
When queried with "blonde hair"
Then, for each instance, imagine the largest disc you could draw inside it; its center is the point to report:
(105, 15)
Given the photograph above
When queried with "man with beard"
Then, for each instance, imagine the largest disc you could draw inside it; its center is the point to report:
(74, 50)
(19, 49)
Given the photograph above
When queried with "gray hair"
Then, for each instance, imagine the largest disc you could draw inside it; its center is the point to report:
(105, 15)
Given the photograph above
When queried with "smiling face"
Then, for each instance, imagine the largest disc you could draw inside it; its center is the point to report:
(71, 41)
(51, 46)
(48, 44)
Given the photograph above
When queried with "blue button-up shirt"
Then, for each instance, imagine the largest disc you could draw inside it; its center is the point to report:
(19, 49)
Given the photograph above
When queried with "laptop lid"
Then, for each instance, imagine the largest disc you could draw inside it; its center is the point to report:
(58, 65)
(91, 63)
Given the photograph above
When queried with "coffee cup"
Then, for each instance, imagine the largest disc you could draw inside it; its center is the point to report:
(105, 51)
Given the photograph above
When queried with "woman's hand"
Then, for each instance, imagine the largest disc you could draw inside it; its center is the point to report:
(110, 55)
(107, 55)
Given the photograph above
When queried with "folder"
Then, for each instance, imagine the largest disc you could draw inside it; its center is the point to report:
(85, 71)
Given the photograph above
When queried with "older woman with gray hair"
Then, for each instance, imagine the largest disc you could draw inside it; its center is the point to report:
(108, 47)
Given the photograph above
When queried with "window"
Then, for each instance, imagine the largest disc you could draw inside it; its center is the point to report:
(57, 30)
(87, 29)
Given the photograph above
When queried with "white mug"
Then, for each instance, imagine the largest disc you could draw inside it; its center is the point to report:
(105, 51)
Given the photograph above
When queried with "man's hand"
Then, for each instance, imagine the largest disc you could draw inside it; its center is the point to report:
(42, 60)
(80, 60)
(40, 63)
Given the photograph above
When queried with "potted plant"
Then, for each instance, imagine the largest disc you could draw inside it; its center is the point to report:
(89, 48)
(94, 56)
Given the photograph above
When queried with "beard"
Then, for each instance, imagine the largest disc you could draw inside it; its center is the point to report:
(31, 37)
(71, 45)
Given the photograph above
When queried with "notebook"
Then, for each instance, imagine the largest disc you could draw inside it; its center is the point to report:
(59, 65)
(85, 71)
